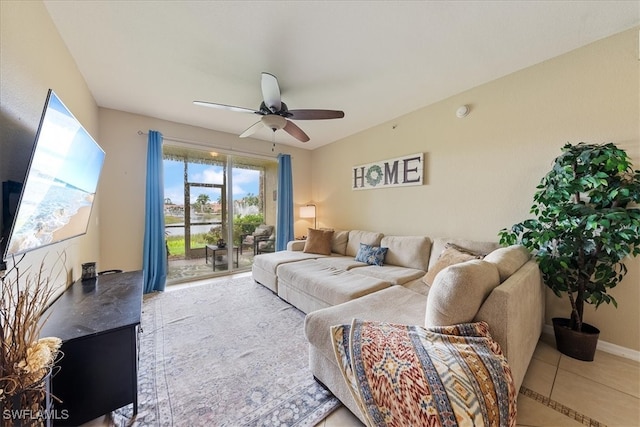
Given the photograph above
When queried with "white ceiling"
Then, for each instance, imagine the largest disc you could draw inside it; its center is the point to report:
(375, 60)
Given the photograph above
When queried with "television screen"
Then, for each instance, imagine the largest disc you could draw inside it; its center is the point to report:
(60, 185)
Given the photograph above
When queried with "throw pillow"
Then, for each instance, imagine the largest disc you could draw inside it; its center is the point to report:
(451, 255)
(458, 292)
(358, 236)
(372, 255)
(339, 243)
(318, 242)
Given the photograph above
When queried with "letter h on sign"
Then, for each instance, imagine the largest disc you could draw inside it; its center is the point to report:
(358, 177)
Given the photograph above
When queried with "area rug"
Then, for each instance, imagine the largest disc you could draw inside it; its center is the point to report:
(226, 353)
(189, 271)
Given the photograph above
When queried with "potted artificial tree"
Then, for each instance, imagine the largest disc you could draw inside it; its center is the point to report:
(587, 223)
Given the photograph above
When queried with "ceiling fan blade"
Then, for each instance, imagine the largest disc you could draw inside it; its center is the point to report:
(252, 129)
(293, 130)
(271, 92)
(225, 107)
(315, 114)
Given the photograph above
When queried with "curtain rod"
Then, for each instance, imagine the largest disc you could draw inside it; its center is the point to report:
(223, 150)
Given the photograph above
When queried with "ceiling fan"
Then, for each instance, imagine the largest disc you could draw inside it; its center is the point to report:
(274, 112)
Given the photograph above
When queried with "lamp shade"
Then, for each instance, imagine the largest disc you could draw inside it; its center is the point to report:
(308, 211)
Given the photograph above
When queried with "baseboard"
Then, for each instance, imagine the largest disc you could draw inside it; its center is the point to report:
(607, 347)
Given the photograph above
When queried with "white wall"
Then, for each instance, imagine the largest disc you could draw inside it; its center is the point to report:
(122, 188)
(33, 58)
(481, 171)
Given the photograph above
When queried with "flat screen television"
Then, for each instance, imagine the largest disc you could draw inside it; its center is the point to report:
(60, 184)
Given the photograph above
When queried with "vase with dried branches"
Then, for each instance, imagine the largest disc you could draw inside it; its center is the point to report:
(26, 360)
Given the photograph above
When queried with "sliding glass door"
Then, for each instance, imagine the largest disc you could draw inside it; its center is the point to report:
(213, 205)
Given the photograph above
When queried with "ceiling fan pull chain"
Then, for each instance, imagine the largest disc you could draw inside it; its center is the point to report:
(273, 139)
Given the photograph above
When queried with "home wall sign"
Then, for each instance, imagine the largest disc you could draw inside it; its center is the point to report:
(398, 172)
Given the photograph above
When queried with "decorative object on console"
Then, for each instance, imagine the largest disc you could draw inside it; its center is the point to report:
(88, 271)
(26, 360)
(309, 211)
(587, 224)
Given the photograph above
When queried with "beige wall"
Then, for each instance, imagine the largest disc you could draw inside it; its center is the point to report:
(481, 171)
(33, 58)
(122, 184)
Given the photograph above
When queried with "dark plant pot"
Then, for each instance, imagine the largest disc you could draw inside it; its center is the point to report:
(579, 345)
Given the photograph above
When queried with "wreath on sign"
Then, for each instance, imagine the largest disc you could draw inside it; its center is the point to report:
(374, 175)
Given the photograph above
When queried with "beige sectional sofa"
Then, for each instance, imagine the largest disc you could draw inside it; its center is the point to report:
(422, 281)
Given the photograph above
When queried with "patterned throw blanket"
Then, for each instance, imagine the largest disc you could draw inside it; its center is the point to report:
(413, 376)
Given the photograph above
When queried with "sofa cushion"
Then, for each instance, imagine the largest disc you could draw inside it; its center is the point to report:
(458, 291)
(270, 261)
(390, 273)
(318, 242)
(341, 262)
(329, 285)
(357, 236)
(407, 251)
(452, 254)
(339, 242)
(372, 255)
(394, 304)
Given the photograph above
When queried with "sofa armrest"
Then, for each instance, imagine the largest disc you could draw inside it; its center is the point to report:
(296, 245)
(515, 314)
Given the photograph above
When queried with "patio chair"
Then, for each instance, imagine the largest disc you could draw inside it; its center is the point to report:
(260, 235)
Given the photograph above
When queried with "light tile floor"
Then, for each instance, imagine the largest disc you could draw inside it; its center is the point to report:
(606, 390)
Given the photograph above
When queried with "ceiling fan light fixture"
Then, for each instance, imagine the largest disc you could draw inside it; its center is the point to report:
(274, 121)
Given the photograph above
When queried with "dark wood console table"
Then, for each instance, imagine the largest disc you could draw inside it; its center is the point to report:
(98, 322)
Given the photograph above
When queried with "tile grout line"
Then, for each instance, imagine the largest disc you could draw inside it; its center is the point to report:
(559, 407)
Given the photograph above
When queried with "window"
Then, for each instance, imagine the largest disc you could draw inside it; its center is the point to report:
(198, 185)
